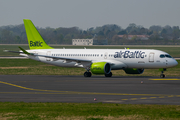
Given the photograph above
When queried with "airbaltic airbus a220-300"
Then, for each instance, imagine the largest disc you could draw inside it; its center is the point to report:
(98, 61)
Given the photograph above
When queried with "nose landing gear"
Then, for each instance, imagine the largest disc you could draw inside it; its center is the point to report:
(162, 71)
(162, 75)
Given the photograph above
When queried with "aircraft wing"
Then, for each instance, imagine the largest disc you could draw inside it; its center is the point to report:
(12, 51)
(56, 58)
(81, 61)
(53, 57)
(63, 58)
(23, 51)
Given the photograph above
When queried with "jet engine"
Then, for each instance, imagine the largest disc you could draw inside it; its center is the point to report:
(133, 71)
(100, 68)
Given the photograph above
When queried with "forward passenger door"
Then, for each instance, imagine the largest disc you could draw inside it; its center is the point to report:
(151, 57)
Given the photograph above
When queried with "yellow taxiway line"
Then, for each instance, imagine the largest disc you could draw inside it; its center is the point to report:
(164, 79)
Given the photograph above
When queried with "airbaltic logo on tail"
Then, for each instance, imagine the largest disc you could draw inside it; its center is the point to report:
(36, 44)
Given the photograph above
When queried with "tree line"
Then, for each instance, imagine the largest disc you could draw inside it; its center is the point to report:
(157, 35)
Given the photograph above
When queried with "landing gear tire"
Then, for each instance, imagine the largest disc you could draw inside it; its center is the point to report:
(87, 74)
(108, 75)
(162, 76)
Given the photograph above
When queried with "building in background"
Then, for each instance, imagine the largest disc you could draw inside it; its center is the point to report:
(89, 42)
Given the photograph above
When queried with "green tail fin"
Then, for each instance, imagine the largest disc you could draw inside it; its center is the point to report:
(34, 38)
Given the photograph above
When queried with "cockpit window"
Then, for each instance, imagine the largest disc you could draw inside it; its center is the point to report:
(168, 56)
(162, 56)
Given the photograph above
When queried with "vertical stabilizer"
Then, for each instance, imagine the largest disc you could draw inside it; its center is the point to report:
(34, 38)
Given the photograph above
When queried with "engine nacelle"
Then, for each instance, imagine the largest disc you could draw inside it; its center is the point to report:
(133, 71)
(100, 68)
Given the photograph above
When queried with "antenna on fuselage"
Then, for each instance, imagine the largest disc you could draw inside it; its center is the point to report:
(84, 47)
(126, 48)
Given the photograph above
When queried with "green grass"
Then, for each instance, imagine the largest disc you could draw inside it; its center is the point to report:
(89, 111)
(31, 67)
(174, 51)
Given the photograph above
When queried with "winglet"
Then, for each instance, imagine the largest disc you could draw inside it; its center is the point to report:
(25, 52)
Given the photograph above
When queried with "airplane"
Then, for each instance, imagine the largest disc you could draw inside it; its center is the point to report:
(96, 61)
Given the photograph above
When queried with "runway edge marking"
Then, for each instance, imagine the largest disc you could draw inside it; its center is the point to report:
(165, 79)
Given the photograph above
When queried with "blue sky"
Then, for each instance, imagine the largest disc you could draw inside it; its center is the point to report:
(90, 13)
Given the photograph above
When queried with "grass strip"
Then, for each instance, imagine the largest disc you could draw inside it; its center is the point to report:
(90, 111)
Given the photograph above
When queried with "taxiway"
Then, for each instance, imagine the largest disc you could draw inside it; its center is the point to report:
(124, 90)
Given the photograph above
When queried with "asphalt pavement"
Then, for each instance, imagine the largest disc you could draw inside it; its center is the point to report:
(78, 89)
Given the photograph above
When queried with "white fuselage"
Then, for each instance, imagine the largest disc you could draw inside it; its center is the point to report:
(118, 58)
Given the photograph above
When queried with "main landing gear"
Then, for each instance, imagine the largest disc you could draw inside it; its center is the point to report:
(162, 75)
(87, 74)
(108, 75)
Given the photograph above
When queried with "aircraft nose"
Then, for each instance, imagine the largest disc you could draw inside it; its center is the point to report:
(173, 63)
(176, 63)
